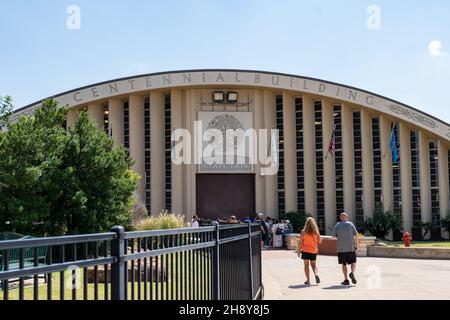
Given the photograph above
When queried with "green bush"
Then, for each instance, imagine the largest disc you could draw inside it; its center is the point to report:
(164, 220)
(382, 222)
(445, 223)
(297, 219)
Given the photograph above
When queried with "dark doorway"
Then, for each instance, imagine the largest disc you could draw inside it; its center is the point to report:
(219, 196)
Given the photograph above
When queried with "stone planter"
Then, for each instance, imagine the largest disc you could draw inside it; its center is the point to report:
(409, 253)
(291, 241)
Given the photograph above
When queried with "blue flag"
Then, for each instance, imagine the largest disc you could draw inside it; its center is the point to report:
(393, 145)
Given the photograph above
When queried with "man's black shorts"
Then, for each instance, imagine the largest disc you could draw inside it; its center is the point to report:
(346, 258)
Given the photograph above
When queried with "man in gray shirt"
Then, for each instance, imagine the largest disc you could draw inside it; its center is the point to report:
(347, 244)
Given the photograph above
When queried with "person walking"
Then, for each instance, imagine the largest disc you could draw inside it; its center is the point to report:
(195, 221)
(347, 244)
(308, 247)
(264, 230)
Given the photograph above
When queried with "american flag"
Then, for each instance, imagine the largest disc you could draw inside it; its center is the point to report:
(332, 144)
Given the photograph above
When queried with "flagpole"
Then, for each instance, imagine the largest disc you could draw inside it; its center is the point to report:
(329, 144)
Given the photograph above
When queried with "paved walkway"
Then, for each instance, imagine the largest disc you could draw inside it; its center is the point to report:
(378, 278)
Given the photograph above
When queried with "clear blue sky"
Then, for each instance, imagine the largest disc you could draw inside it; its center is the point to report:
(40, 56)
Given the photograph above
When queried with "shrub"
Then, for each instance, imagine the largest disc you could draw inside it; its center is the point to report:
(297, 219)
(382, 222)
(164, 220)
(445, 223)
(138, 213)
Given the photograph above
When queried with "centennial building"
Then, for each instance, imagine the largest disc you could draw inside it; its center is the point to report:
(359, 177)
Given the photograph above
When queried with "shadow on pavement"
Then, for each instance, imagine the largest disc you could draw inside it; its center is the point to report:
(336, 287)
(301, 286)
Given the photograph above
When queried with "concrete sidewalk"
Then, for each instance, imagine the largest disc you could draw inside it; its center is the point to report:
(378, 278)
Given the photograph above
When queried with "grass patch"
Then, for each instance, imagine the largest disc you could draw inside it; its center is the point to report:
(421, 244)
(182, 279)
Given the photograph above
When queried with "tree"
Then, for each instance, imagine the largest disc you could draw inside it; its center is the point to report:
(297, 219)
(6, 109)
(72, 181)
(98, 179)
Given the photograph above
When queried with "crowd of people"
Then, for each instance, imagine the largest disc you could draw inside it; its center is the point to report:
(273, 230)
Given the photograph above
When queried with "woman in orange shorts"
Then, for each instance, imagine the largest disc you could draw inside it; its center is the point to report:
(308, 247)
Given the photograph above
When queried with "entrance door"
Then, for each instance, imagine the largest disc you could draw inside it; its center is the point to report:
(219, 196)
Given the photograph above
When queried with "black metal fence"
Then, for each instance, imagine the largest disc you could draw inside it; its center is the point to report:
(220, 262)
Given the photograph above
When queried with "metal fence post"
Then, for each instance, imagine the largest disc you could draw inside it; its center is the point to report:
(216, 265)
(118, 268)
(250, 259)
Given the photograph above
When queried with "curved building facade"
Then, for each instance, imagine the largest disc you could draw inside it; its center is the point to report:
(335, 146)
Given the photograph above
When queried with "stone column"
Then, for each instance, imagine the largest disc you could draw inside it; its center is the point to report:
(176, 103)
(290, 160)
(157, 152)
(386, 163)
(405, 177)
(258, 123)
(348, 161)
(136, 107)
(116, 120)
(96, 112)
(309, 155)
(443, 178)
(71, 118)
(367, 163)
(328, 167)
(189, 170)
(425, 180)
(270, 181)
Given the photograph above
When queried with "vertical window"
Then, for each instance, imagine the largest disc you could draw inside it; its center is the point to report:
(338, 164)
(320, 196)
(377, 175)
(300, 154)
(280, 177)
(397, 187)
(106, 120)
(357, 149)
(126, 126)
(168, 151)
(415, 176)
(147, 154)
(434, 180)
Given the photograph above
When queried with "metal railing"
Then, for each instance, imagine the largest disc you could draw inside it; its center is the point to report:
(219, 262)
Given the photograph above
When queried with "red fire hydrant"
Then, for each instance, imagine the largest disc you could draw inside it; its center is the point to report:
(407, 238)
